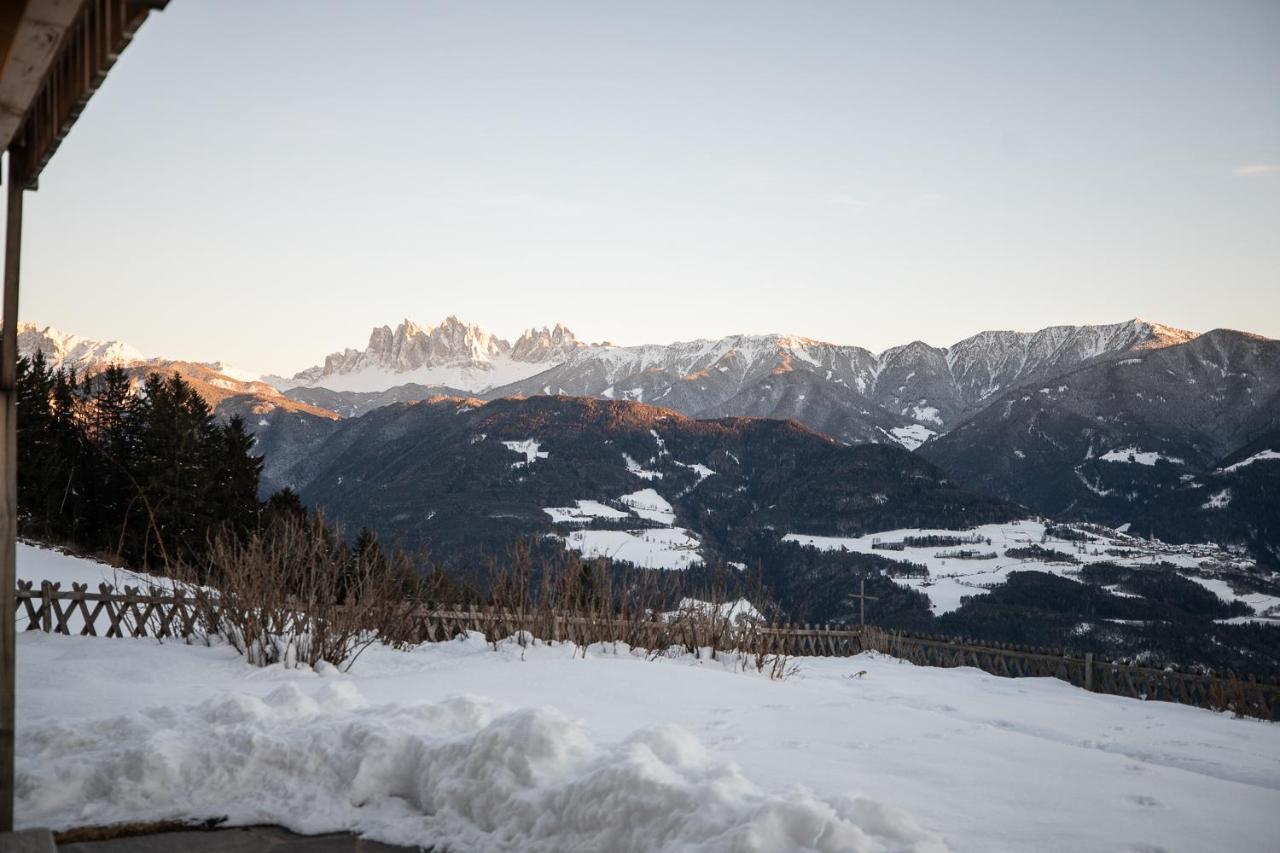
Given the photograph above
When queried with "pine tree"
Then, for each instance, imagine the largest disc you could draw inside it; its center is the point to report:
(147, 475)
(112, 426)
(235, 471)
(283, 504)
(35, 440)
(175, 464)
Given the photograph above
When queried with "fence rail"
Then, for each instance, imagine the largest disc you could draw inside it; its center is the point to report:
(134, 612)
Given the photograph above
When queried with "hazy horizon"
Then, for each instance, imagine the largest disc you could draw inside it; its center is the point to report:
(867, 175)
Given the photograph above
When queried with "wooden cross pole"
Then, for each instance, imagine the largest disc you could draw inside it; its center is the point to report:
(862, 602)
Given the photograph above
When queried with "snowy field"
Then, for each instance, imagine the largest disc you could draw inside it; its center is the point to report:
(540, 749)
(666, 547)
(950, 579)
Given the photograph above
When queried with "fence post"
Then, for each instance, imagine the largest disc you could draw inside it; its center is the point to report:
(1088, 671)
(46, 597)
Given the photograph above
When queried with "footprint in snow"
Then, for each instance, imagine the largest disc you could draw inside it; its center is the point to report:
(1144, 801)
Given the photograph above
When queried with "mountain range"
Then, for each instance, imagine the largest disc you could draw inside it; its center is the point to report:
(1120, 423)
(906, 393)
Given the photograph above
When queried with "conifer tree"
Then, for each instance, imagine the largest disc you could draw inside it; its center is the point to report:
(145, 474)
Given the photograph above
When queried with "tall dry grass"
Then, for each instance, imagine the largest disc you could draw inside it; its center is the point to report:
(663, 613)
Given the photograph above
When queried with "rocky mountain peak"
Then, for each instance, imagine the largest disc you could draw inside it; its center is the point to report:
(410, 346)
(544, 345)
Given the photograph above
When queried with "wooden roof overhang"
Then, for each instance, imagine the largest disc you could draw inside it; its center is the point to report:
(53, 56)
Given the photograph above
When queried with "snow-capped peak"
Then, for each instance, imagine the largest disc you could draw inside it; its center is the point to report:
(65, 349)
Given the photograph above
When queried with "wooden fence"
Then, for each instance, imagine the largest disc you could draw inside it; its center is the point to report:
(1247, 695)
(149, 613)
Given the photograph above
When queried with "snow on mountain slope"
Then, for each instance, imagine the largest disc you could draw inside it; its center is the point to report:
(37, 563)
(846, 391)
(989, 362)
(1261, 456)
(64, 349)
(697, 374)
(552, 748)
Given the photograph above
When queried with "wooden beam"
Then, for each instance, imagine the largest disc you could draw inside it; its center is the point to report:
(41, 98)
(9, 480)
(34, 37)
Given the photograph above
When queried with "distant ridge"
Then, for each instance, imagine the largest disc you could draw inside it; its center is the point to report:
(905, 394)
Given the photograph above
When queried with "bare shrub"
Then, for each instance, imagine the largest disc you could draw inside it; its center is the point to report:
(295, 594)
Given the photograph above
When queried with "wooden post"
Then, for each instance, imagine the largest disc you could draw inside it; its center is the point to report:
(1088, 670)
(9, 479)
(46, 611)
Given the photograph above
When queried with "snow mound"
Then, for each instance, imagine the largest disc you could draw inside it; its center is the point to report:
(737, 612)
(460, 774)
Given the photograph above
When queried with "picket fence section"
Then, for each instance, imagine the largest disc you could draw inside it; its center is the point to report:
(135, 612)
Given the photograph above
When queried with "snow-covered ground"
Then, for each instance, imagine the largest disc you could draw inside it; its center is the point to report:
(1138, 457)
(543, 749)
(912, 436)
(582, 512)
(537, 749)
(647, 503)
(529, 449)
(950, 579)
(666, 547)
(650, 548)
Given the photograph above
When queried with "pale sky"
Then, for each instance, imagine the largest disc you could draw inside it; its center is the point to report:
(263, 182)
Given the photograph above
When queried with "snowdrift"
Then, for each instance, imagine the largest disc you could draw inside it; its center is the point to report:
(462, 774)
